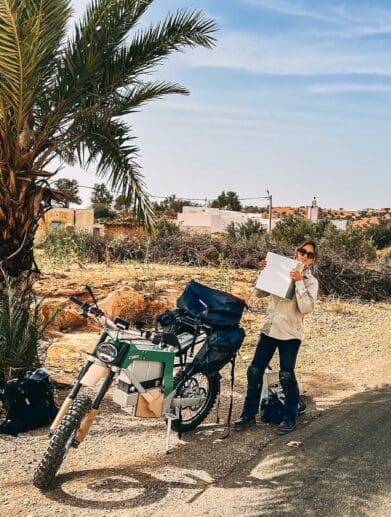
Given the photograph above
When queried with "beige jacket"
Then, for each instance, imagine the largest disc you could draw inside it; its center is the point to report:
(284, 318)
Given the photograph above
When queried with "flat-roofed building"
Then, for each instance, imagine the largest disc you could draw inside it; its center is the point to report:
(213, 220)
(58, 217)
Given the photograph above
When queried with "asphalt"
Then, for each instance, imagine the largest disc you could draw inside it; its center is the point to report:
(342, 468)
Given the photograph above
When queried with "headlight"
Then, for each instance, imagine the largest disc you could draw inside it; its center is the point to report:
(107, 353)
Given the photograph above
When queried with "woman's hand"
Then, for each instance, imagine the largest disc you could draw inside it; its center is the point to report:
(296, 275)
(263, 264)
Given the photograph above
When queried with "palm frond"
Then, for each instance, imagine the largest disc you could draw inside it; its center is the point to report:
(109, 22)
(11, 61)
(183, 29)
(128, 100)
(145, 92)
(150, 47)
(30, 34)
(107, 143)
(87, 57)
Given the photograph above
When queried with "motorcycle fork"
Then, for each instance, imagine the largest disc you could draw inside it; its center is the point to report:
(75, 390)
(70, 398)
(89, 419)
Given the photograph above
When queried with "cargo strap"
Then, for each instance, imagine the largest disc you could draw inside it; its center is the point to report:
(231, 402)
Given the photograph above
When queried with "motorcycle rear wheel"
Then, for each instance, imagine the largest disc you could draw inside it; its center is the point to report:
(189, 420)
(60, 442)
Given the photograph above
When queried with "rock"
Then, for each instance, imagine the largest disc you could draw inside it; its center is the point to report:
(60, 380)
(114, 303)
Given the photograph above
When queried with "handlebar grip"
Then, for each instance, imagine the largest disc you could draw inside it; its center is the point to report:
(76, 300)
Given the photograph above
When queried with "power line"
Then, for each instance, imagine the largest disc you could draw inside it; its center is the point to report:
(184, 198)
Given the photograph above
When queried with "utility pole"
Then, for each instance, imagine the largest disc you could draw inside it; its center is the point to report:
(270, 197)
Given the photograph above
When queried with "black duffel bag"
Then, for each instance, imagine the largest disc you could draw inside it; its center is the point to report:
(218, 350)
(215, 308)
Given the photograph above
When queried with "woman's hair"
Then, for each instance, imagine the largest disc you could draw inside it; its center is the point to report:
(313, 244)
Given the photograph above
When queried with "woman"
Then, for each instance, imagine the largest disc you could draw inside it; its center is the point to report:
(282, 328)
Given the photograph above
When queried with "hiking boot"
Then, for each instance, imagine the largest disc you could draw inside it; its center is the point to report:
(301, 407)
(244, 422)
(286, 426)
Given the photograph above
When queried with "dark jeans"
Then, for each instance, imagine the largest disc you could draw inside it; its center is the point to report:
(288, 350)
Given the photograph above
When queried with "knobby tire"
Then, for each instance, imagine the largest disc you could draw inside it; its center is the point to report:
(57, 450)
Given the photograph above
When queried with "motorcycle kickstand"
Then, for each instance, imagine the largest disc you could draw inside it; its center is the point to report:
(170, 418)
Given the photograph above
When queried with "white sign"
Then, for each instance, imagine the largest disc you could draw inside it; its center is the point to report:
(275, 279)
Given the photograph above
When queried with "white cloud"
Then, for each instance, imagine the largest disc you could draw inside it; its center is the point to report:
(350, 88)
(298, 9)
(342, 20)
(291, 55)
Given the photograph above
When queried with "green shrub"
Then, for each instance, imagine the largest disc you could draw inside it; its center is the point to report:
(380, 234)
(20, 326)
(64, 246)
(293, 229)
(103, 211)
(350, 244)
(166, 228)
(251, 229)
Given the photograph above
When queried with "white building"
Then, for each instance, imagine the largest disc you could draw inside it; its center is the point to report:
(341, 224)
(313, 211)
(214, 220)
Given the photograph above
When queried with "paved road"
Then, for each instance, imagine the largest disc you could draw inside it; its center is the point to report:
(343, 469)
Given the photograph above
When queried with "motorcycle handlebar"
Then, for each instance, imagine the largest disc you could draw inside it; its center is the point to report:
(87, 307)
(76, 300)
(110, 324)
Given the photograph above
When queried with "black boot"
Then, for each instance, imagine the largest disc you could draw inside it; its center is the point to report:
(291, 391)
(302, 406)
(286, 426)
(254, 388)
(244, 422)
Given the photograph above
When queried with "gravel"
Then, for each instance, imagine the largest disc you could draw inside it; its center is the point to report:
(122, 468)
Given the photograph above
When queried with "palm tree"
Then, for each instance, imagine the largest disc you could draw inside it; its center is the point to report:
(66, 99)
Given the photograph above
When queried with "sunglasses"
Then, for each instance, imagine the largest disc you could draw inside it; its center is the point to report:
(303, 251)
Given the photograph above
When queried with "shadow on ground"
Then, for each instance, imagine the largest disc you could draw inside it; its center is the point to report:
(341, 467)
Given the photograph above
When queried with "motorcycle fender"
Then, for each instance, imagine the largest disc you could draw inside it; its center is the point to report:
(94, 374)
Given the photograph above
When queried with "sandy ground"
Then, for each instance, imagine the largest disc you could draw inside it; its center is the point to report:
(121, 468)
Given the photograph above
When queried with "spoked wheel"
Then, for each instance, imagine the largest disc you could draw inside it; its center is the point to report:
(197, 386)
(61, 442)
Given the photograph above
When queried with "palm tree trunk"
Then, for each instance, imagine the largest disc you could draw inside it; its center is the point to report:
(22, 204)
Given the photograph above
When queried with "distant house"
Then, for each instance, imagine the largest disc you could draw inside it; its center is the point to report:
(341, 224)
(214, 220)
(78, 219)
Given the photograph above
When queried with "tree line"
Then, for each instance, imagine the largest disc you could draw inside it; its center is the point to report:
(106, 204)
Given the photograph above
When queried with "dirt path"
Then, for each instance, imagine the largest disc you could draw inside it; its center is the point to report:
(122, 468)
(342, 469)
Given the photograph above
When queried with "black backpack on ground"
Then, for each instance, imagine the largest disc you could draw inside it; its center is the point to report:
(28, 402)
(272, 408)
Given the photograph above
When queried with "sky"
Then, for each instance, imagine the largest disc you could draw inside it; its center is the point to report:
(294, 98)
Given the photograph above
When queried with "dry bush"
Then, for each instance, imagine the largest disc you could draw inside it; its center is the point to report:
(169, 245)
(352, 280)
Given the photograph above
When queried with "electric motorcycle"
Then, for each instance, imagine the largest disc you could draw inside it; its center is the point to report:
(171, 372)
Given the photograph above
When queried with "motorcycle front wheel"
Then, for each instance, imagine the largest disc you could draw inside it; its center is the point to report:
(61, 442)
(195, 386)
